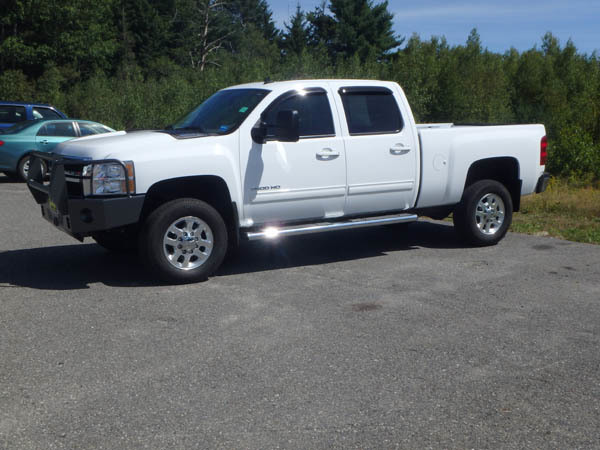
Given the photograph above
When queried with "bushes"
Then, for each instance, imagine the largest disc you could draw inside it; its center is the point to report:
(574, 155)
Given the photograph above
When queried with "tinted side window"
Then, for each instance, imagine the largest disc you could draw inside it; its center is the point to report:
(12, 114)
(63, 129)
(314, 113)
(371, 111)
(45, 113)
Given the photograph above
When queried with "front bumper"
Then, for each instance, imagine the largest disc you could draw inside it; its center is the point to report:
(542, 183)
(64, 205)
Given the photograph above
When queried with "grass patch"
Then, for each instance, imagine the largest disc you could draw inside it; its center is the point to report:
(565, 211)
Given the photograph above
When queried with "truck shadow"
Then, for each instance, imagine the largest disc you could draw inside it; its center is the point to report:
(77, 266)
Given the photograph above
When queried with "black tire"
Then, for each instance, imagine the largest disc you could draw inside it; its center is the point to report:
(22, 168)
(471, 222)
(121, 240)
(153, 250)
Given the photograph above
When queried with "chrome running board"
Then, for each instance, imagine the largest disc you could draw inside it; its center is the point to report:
(275, 232)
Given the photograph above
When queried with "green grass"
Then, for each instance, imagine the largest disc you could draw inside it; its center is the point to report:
(564, 211)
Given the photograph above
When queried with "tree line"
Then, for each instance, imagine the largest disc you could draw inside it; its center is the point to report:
(144, 63)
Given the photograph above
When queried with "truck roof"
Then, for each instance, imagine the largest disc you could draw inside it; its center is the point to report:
(276, 85)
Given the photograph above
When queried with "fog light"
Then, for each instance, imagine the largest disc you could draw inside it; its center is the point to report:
(86, 216)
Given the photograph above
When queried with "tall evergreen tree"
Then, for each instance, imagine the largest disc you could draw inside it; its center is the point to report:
(321, 27)
(295, 37)
(355, 27)
(254, 13)
(144, 29)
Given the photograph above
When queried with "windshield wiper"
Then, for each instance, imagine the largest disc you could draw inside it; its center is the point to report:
(197, 129)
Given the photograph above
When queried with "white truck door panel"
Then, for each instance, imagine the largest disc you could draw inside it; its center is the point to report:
(306, 179)
(381, 150)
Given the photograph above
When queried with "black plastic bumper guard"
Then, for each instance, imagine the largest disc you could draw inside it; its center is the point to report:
(79, 216)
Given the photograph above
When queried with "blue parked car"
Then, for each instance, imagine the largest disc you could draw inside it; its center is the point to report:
(15, 112)
(18, 141)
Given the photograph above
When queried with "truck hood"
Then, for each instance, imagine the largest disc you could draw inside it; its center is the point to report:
(119, 145)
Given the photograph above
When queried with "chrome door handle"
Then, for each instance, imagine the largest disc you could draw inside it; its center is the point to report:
(399, 149)
(327, 154)
(45, 141)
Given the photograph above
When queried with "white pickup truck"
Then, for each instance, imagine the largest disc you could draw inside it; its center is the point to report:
(267, 160)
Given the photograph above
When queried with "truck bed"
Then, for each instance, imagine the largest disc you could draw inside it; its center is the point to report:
(441, 168)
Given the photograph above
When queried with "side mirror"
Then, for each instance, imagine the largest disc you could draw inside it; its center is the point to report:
(287, 126)
(259, 133)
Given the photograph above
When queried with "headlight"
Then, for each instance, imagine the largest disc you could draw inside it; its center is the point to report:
(111, 178)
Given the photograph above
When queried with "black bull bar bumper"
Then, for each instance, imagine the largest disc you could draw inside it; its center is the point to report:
(64, 205)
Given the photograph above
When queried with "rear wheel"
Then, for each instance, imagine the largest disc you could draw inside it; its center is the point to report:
(184, 241)
(484, 214)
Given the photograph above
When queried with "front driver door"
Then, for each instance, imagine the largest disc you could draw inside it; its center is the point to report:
(285, 181)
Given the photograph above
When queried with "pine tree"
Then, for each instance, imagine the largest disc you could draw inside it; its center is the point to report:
(355, 27)
(254, 13)
(295, 37)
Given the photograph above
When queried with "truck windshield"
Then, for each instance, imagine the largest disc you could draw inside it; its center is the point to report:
(221, 113)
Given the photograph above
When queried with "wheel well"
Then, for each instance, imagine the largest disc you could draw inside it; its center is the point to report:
(211, 189)
(23, 156)
(504, 170)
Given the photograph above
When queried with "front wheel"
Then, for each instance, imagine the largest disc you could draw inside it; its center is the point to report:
(23, 168)
(183, 241)
(484, 213)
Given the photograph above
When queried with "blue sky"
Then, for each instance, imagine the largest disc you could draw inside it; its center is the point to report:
(501, 24)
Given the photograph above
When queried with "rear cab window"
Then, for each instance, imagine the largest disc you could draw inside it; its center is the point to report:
(314, 112)
(371, 110)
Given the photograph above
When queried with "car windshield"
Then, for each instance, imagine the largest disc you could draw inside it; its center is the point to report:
(20, 126)
(221, 113)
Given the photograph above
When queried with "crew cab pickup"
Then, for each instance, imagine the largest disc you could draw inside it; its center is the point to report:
(268, 160)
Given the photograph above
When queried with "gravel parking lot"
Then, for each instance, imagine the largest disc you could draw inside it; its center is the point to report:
(372, 338)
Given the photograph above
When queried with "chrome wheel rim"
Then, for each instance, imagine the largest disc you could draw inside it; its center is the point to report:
(188, 243)
(489, 213)
(26, 167)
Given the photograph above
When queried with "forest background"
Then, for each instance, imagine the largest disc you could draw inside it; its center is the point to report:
(144, 63)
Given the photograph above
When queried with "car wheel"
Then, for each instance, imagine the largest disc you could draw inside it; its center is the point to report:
(23, 168)
(183, 241)
(484, 213)
(122, 240)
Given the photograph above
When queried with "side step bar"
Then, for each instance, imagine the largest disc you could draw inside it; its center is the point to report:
(274, 232)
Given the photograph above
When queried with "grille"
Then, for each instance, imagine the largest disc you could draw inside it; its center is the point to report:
(77, 184)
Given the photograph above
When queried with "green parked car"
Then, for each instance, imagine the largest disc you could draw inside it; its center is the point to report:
(18, 141)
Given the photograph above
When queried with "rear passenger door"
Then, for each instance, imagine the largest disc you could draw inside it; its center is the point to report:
(53, 133)
(381, 150)
(286, 181)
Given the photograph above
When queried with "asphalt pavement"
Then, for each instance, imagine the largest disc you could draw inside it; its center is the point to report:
(392, 337)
